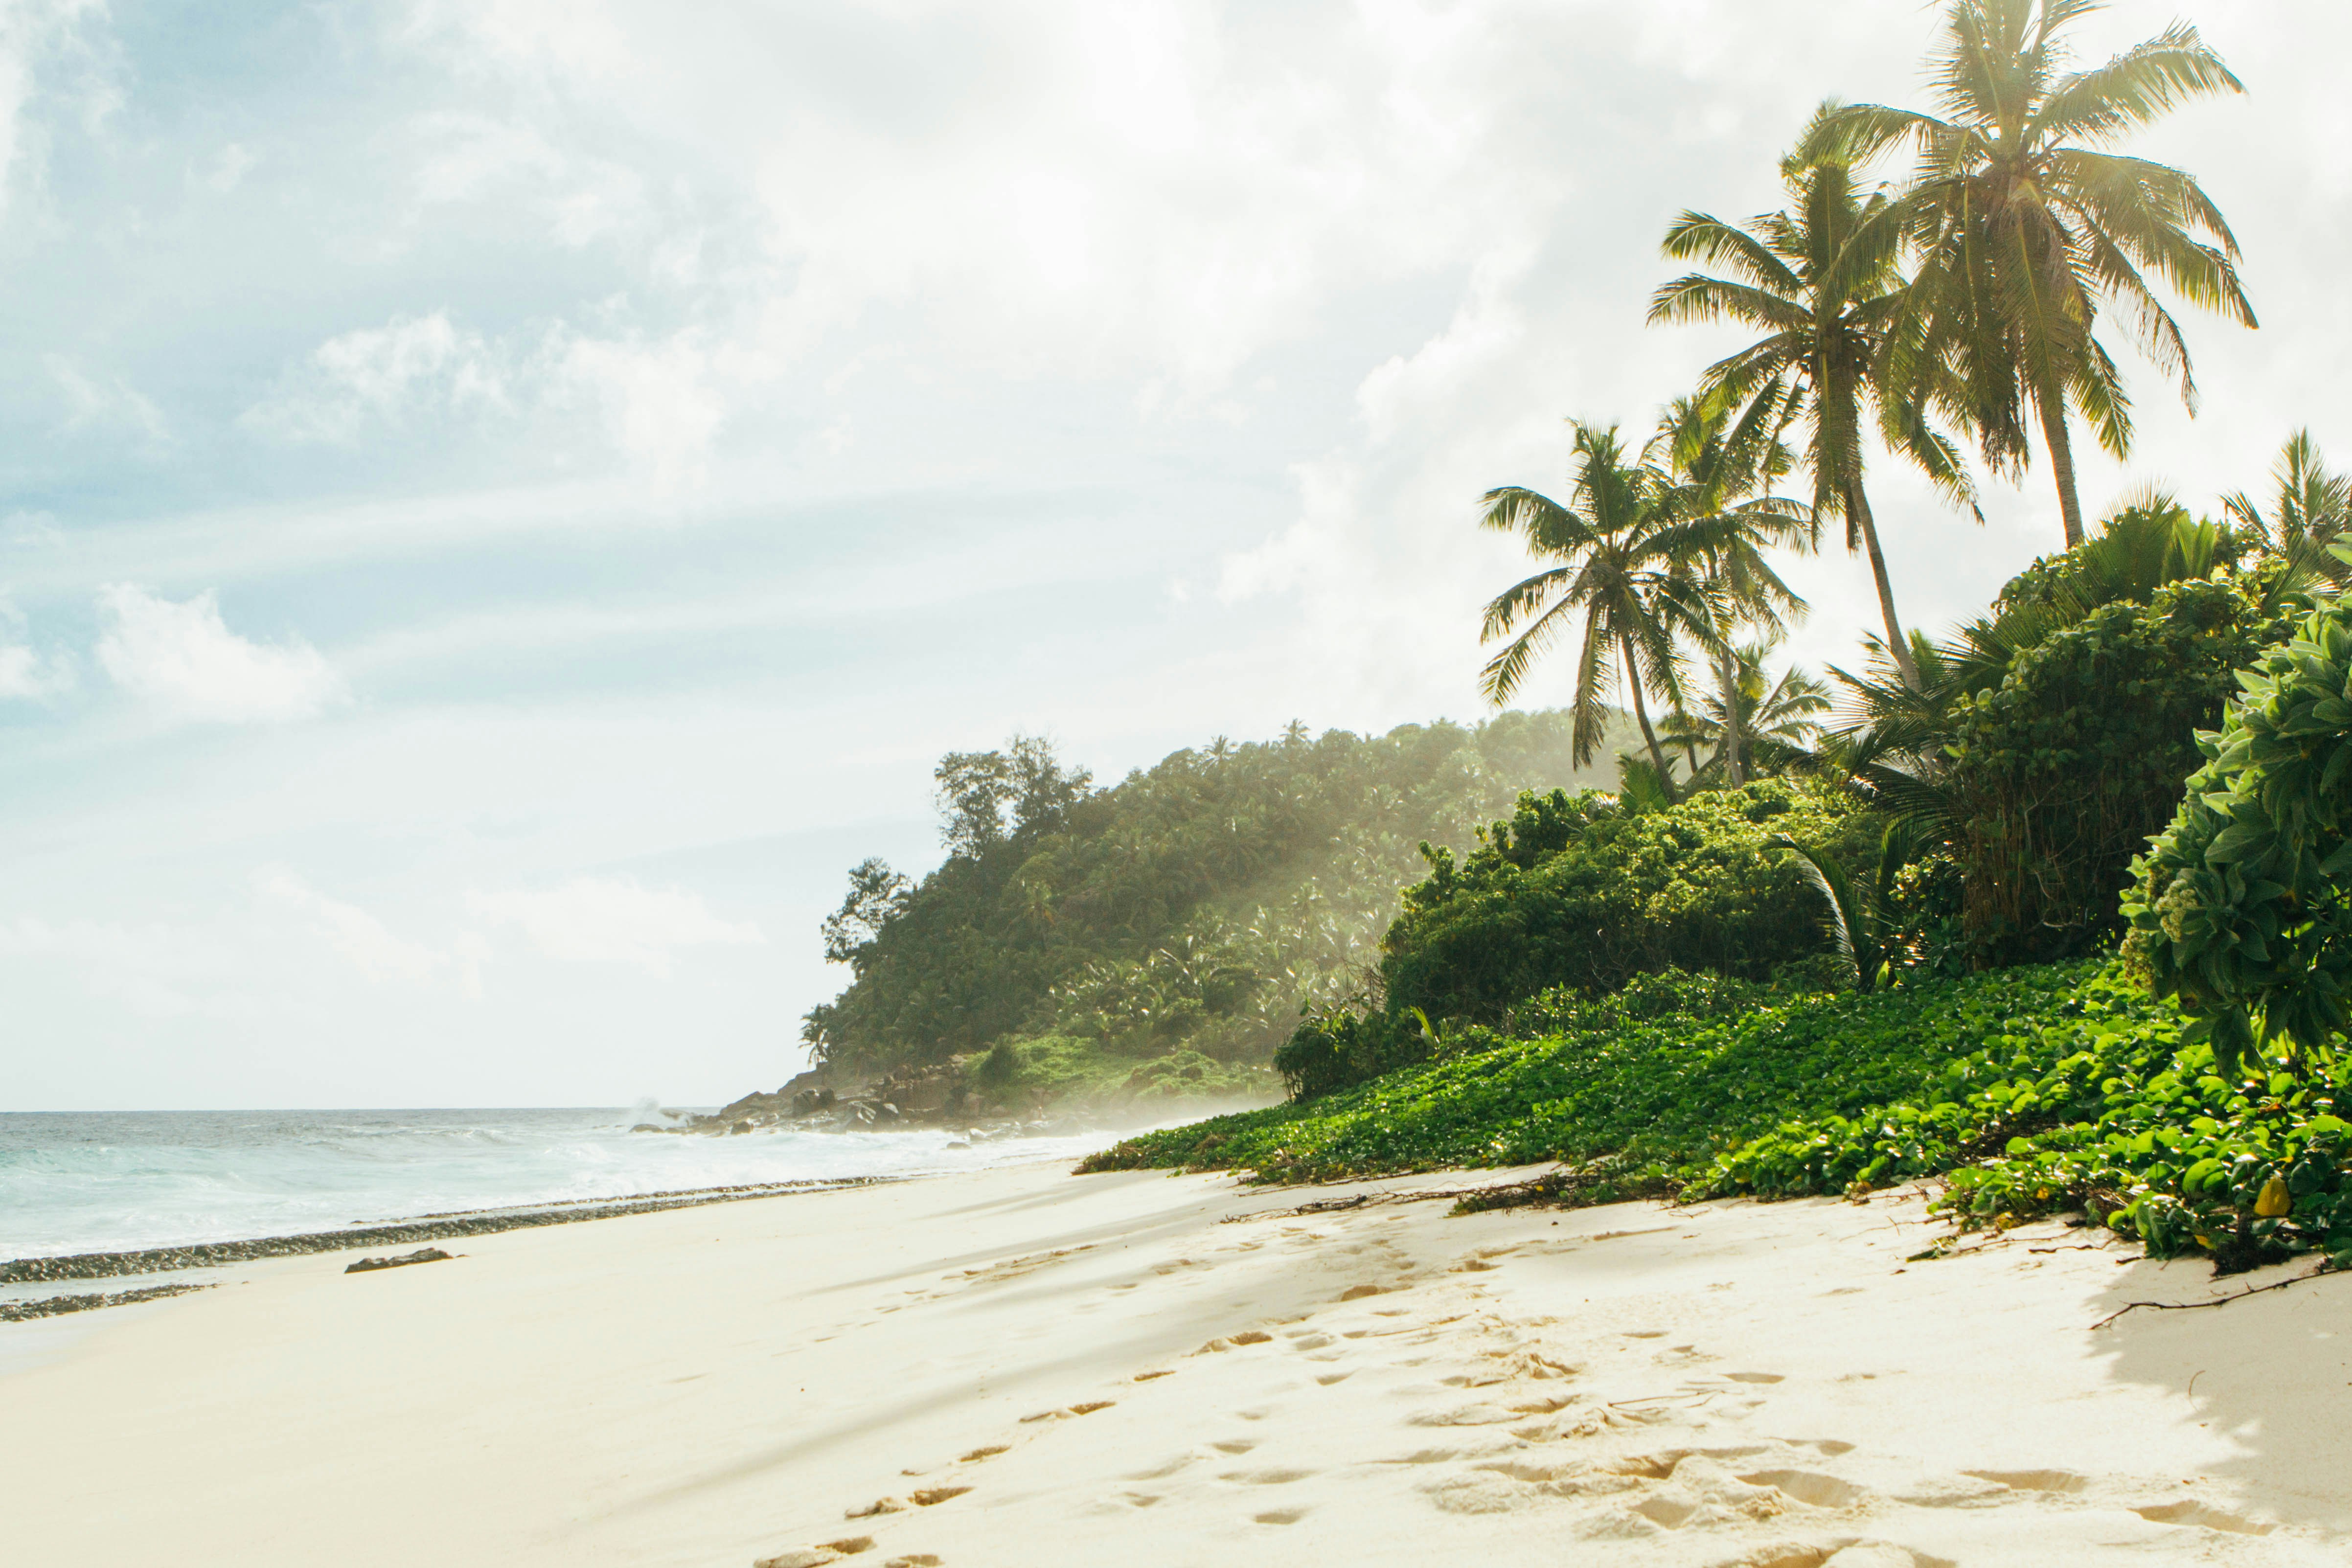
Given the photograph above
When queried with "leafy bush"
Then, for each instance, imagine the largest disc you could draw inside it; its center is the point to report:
(1576, 892)
(2061, 772)
(2243, 912)
(2094, 1102)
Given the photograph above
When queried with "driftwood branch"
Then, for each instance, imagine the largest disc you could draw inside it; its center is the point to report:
(2216, 1302)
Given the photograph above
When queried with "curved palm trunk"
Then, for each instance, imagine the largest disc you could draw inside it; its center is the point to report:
(1898, 647)
(2053, 409)
(1727, 671)
(1641, 717)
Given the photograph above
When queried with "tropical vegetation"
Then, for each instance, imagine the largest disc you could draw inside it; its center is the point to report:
(2079, 873)
(2057, 906)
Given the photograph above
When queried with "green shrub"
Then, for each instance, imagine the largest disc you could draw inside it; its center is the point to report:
(1574, 892)
(2244, 911)
(2059, 775)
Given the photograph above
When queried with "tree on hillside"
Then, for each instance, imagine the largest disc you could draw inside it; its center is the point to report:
(1616, 545)
(877, 894)
(977, 790)
(2026, 229)
(1819, 281)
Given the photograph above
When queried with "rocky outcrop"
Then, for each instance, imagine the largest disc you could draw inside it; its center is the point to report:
(815, 1100)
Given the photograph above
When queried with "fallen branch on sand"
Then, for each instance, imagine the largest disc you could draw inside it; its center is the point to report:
(1564, 1186)
(2216, 1302)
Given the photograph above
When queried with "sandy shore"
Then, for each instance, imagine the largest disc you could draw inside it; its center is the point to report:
(1037, 1369)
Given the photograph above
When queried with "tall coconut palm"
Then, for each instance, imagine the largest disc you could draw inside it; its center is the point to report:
(1819, 281)
(2027, 229)
(1616, 547)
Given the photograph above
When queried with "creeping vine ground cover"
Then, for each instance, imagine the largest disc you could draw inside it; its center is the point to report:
(2035, 1088)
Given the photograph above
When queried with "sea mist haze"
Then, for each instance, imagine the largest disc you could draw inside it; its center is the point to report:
(120, 1181)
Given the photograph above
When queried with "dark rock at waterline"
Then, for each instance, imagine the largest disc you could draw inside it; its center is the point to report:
(435, 1228)
(52, 1306)
(422, 1255)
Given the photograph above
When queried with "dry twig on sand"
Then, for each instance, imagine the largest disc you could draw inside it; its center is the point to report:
(2216, 1302)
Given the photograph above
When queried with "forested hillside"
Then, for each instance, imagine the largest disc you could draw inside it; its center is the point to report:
(1162, 935)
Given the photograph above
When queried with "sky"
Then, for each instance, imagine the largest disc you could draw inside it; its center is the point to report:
(503, 501)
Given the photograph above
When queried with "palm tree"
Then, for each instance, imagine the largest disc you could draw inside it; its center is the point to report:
(1713, 467)
(2311, 509)
(2026, 229)
(1777, 719)
(1617, 549)
(1819, 281)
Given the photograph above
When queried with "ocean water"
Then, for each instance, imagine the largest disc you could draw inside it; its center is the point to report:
(105, 1182)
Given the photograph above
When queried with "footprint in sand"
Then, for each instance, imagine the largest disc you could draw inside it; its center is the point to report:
(1756, 1377)
(1147, 1376)
(1235, 1446)
(2190, 1511)
(1813, 1490)
(1850, 1554)
(917, 1560)
(817, 1556)
(1280, 1516)
(1272, 1477)
(978, 1454)
(2032, 1480)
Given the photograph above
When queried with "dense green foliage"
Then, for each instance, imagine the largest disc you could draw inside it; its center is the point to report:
(1585, 892)
(2038, 1088)
(1667, 1072)
(1581, 893)
(2244, 911)
(1193, 906)
(2058, 774)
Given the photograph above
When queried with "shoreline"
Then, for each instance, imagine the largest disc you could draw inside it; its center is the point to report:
(446, 1225)
(1022, 1365)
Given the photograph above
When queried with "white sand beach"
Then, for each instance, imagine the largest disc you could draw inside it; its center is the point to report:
(1025, 1367)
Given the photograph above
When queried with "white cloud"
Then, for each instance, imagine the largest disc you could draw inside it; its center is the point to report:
(182, 658)
(230, 169)
(412, 365)
(658, 403)
(659, 399)
(612, 920)
(158, 971)
(91, 401)
(26, 674)
(352, 931)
